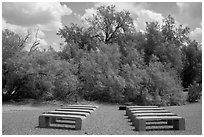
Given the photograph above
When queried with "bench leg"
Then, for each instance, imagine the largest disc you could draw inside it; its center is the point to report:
(169, 122)
(130, 116)
(127, 111)
(140, 125)
(78, 124)
(44, 121)
(179, 124)
(53, 120)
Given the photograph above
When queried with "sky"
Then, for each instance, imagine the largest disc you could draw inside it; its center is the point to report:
(46, 18)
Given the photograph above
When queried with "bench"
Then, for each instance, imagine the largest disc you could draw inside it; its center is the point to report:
(128, 110)
(46, 119)
(140, 122)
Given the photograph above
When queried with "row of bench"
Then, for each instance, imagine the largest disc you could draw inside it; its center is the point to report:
(70, 115)
(139, 115)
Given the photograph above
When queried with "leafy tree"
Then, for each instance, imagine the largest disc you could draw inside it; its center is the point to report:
(192, 64)
(172, 33)
(75, 34)
(165, 42)
(108, 23)
(153, 36)
(11, 43)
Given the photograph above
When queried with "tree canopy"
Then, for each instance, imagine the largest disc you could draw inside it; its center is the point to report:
(107, 61)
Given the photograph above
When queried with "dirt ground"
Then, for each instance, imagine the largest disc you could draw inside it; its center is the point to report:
(106, 120)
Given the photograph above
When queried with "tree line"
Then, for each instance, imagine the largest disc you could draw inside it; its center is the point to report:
(108, 61)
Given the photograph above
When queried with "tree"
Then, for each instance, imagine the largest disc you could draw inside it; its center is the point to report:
(192, 64)
(172, 33)
(153, 40)
(75, 34)
(165, 42)
(12, 43)
(108, 23)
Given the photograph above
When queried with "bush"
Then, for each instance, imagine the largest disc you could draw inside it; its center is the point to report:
(164, 85)
(65, 82)
(40, 75)
(99, 74)
(194, 92)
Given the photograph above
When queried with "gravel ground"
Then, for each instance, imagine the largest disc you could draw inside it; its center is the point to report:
(106, 120)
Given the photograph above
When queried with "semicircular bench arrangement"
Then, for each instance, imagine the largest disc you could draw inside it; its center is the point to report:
(139, 115)
(70, 115)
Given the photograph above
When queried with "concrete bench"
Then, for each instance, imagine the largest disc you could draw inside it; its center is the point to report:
(75, 110)
(46, 119)
(140, 122)
(128, 110)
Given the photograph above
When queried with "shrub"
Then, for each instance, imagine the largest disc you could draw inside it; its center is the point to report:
(194, 92)
(40, 75)
(99, 73)
(165, 86)
(65, 82)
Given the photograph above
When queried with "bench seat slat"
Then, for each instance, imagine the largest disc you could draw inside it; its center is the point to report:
(65, 116)
(154, 114)
(151, 111)
(131, 109)
(75, 110)
(142, 106)
(62, 122)
(68, 113)
(158, 117)
(91, 106)
(83, 108)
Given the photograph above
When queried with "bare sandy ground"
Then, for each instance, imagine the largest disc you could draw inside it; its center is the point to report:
(106, 120)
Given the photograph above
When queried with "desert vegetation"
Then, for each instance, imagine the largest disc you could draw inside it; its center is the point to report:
(108, 61)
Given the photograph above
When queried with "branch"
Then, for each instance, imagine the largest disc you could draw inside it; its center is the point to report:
(35, 44)
(118, 26)
(23, 41)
